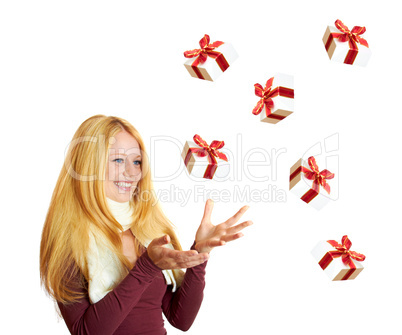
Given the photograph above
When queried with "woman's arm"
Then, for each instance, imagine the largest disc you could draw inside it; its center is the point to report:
(182, 306)
(105, 316)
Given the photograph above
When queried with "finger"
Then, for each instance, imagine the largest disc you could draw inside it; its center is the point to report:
(180, 256)
(216, 243)
(161, 240)
(232, 237)
(239, 227)
(192, 264)
(210, 244)
(185, 259)
(209, 206)
(237, 216)
(199, 259)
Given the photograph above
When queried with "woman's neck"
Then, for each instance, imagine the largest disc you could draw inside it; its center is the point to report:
(122, 212)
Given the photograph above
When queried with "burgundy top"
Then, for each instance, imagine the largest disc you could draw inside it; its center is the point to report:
(135, 306)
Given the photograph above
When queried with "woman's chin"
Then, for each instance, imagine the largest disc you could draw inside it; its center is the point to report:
(120, 197)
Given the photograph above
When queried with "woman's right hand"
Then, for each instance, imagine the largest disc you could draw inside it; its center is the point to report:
(167, 259)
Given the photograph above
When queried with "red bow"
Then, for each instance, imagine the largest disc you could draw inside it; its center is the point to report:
(351, 36)
(343, 250)
(319, 178)
(210, 150)
(205, 51)
(266, 95)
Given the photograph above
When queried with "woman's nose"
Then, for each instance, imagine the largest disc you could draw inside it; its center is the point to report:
(130, 171)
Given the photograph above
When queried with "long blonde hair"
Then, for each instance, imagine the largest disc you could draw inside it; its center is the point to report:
(79, 204)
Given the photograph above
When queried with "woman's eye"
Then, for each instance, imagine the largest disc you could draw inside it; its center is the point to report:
(118, 160)
(137, 162)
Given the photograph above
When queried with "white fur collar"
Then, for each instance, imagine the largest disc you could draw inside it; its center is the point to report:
(104, 268)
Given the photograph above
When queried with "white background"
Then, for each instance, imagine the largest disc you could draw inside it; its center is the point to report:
(64, 61)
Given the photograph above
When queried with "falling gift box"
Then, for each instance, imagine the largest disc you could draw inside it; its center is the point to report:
(203, 160)
(310, 185)
(211, 60)
(337, 260)
(346, 46)
(277, 98)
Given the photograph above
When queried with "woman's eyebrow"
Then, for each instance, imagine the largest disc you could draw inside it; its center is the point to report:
(123, 154)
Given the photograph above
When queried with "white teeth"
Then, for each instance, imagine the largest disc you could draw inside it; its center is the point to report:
(123, 184)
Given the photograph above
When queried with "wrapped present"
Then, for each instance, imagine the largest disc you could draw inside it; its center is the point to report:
(277, 98)
(346, 46)
(203, 160)
(211, 60)
(310, 185)
(337, 260)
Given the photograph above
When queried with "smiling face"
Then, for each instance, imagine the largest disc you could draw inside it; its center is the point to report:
(123, 167)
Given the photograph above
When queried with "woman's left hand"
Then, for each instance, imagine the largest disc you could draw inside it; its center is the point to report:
(209, 236)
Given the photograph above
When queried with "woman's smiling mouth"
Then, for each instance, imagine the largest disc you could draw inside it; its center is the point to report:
(124, 185)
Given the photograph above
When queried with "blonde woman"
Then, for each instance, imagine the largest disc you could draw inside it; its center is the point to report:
(109, 256)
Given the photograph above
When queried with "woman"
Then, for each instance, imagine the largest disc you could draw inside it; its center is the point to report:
(109, 256)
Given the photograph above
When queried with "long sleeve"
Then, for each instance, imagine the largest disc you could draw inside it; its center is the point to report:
(182, 306)
(105, 316)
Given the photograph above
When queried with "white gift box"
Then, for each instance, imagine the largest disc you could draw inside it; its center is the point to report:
(338, 51)
(210, 69)
(336, 269)
(201, 167)
(302, 187)
(283, 103)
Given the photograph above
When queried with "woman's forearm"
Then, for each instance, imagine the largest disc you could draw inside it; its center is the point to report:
(182, 306)
(105, 316)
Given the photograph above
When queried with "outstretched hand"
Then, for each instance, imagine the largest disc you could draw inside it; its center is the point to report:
(166, 258)
(209, 236)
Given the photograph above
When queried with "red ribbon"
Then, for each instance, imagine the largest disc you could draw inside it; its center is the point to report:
(351, 36)
(207, 50)
(207, 150)
(266, 94)
(348, 36)
(342, 250)
(319, 178)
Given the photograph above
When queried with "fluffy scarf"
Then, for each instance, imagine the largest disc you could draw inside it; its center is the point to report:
(104, 268)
